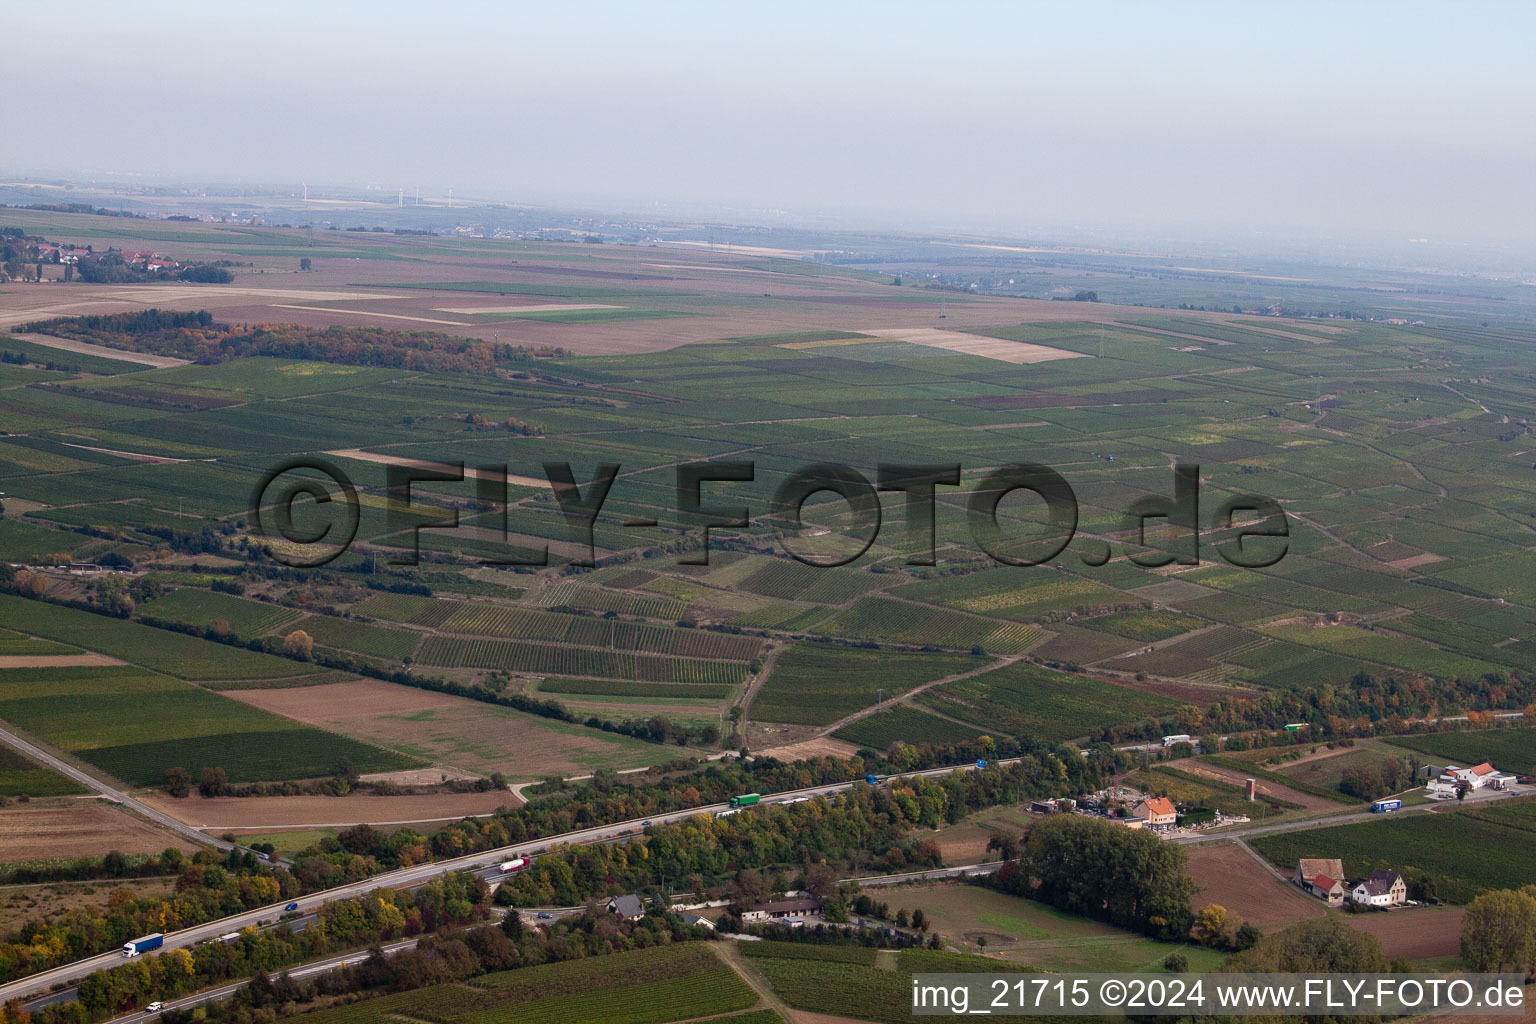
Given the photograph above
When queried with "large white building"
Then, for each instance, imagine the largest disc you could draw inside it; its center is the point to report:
(1478, 776)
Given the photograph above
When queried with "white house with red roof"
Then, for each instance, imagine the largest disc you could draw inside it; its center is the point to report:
(1479, 776)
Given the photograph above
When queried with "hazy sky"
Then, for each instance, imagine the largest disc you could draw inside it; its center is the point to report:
(1397, 120)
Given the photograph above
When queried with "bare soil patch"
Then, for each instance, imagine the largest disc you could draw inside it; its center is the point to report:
(22, 903)
(975, 345)
(398, 460)
(1228, 876)
(553, 307)
(369, 312)
(823, 746)
(419, 776)
(268, 812)
(1414, 561)
(1415, 933)
(77, 828)
(455, 731)
(87, 349)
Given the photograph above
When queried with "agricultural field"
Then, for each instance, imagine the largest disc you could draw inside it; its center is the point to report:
(904, 722)
(135, 725)
(1026, 700)
(77, 828)
(1462, 852)
(203, 608)
(845, 987)
(22, 776)
(1229, 876)
(349, 635)
(812, 685)
(556, 659)
(19, 645)
(1508, 750)
(175, 654)
(899, 622)
(454, 731)
(649, 360)
(642, 986)
(1028, 933)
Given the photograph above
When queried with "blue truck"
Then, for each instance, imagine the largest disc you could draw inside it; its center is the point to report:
(144, 944)
(1382, 806)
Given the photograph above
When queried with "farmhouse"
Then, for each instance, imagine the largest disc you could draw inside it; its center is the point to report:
(697, 921)
(1479, 776)
(1156, 811)
(628, 908)
(1312, 870)
(1383, 889)
(1329, 890)
(791, 912)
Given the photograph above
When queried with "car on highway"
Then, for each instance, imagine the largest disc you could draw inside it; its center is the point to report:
(290, 907)
(542, 916)
(154, 1007)
(646, 823)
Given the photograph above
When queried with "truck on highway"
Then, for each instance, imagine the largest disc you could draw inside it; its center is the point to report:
(874, 780)
(745, 799)
(1382, 806)
(144, 944)
(515, 864)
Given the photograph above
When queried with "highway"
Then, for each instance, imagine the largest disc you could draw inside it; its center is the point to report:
(485, 863)
(302, 971)
(65, 768)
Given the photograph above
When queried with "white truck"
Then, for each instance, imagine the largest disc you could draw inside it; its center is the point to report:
(515, 864)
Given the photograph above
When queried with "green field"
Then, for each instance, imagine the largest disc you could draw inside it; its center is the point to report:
(22, 776)
(347, 634)
(643, 986)
(204, 608)
(20, 645)
(173, 653)
(904, 722)
(1026, 700)
(1463, 852)
(1510, 750)
(1399, 447)
(136, 724)
(812, 685)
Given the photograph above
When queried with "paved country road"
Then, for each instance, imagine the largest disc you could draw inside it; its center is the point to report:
(485, 863)
(65, 768)
(1480, 799)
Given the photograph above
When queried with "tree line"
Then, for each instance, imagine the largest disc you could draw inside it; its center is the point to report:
(198, 337)
(378, 916)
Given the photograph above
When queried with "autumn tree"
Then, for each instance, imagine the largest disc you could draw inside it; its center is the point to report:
(298, 644)
(1499, 931)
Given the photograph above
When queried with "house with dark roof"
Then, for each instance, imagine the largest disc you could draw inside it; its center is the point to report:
(628, 907)
(1383, 889)
(791, 912)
